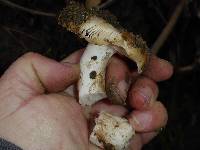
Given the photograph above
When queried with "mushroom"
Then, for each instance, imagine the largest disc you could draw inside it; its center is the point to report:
(111, 132)
(106, 37)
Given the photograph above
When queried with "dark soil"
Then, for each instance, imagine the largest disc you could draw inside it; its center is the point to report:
(21, 32)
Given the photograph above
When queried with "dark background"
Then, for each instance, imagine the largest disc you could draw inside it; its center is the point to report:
(21, 32)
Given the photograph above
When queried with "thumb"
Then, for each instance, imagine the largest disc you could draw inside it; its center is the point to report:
(33, 74)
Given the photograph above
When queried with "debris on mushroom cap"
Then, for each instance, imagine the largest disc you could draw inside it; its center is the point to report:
(75, 14)
(111, 132)
(102, 28)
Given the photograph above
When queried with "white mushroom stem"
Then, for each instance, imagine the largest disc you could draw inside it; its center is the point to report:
(111, 132)
(92, 78)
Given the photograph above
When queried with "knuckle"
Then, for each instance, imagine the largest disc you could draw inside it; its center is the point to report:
(30, 55)
(25, 60)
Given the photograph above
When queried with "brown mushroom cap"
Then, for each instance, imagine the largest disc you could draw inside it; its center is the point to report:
(75, 15)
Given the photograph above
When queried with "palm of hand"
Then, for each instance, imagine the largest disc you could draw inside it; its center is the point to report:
(34, 120)
(47, 122)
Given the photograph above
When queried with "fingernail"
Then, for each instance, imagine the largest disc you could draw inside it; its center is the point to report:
(113, 93)
(146, 94)
(169, 68)
(134, 122)
(123, 87)
(141, 122)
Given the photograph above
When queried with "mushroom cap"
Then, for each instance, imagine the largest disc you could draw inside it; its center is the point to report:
(102, 28)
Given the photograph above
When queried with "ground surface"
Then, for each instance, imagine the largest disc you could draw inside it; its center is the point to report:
(21, 32)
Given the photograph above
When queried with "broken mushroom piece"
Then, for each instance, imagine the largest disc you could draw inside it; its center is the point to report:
(111, 132)
(103, 30)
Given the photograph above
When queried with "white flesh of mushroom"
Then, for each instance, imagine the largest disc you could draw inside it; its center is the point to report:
(111, 132)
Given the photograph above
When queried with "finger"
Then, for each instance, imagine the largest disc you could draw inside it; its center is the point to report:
(158, 69)
(147, 137)
(75, 57)
(117, 80)
(149, 120)
(143, 93)
(35, 74)
(141, 139)
(109, 108)
(136, 142)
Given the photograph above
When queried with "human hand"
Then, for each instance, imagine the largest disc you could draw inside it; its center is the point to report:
(34, 116)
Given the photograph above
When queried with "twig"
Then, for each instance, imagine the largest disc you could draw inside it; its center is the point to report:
(21, 32)
(32, 11)
(157, 10)
(189, 67)
(16, 39)
(168, 28)
(106, 4)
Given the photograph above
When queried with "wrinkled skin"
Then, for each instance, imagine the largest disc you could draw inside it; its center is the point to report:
(34, 115)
